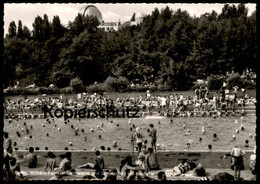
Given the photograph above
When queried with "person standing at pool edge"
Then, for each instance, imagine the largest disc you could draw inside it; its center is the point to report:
(139, 139)
(153, 132)
(237, 160)
(132, 142)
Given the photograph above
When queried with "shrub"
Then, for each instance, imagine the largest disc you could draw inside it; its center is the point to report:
(160, 84)
(53, 90)
(234, 79)
(46, 90)
(138, 88)
(120, 84)
(20, 91)
(164, 87)
(96, 88)
(77, 85)
(66, 90)
(215, 82)
(152, 88)
(25, 82)
(182, 83)
(43, 90)
(167, 84)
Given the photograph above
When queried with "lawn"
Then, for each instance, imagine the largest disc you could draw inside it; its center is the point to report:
(169, 136)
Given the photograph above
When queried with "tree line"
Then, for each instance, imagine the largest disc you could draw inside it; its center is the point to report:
(167, 50)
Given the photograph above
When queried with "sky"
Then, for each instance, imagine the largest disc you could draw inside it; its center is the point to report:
(27, 12)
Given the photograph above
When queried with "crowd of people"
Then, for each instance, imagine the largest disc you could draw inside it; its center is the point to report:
(130, 168)
(166, 105)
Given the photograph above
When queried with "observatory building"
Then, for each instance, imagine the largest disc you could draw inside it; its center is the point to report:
(91, 10)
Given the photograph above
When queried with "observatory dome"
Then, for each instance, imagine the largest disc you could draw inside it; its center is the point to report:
(91, 10)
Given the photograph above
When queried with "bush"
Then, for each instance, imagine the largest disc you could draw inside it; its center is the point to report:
(234, 79)
(77, 85)
(215, 82)
(46, 90)
(21, 91)
(120, 84)
(43, 90)
(164, 87)
(26, 81)
(53, 90)
(66, 90)
(152, 88)
(160, 84)
(138, 88)
(96, 88)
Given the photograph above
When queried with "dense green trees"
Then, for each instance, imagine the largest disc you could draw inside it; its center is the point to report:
(168, 50)
(12, 30)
